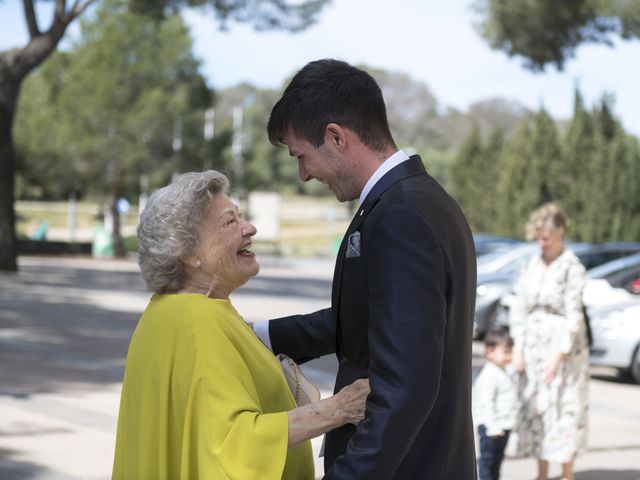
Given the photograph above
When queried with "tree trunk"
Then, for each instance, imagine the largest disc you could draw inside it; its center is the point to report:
(9, 89)
(118, 244)
(15, 65)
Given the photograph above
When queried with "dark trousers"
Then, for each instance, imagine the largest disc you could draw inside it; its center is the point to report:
(491, 454)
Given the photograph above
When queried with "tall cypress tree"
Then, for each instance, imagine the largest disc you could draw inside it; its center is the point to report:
(603, 170)
(487, 179)
(530, 168)
(512, 182)
(464, 176)
(574, 172)
(631, 186)
(623, 183)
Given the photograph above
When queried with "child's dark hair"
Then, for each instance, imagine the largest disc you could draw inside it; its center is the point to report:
(498, 336)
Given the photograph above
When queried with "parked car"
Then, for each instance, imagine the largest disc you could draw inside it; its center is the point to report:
(616, 337)
(509, 258)
(606, 252)
(486, 243)
(613, 283)
(498, 271)
(621, 273)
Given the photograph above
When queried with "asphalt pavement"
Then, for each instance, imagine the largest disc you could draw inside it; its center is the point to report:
(65, 325)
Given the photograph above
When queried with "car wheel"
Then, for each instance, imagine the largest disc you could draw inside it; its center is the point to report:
(635, 366)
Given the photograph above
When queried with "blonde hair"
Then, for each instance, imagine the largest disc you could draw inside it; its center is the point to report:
(550, 215)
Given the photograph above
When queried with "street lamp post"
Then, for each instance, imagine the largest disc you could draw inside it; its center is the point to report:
(209, 129)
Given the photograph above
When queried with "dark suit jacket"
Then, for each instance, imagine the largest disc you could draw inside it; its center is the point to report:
(401, 315)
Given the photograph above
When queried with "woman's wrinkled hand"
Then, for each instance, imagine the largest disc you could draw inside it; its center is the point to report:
(352, 399)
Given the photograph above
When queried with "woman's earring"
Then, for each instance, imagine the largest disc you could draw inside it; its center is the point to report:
(197, 262)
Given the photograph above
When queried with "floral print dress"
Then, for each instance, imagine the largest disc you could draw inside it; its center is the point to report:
(547, 319)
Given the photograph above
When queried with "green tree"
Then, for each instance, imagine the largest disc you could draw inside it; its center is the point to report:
(411, 109)
(630, 200)
(464, 172)
(545, 32)
(487, 176)
(123, 91)
(528, 173)
(474, 173)
(44, 170)
(16, 64)
(624, 172)
(611, 208)
(575, 171)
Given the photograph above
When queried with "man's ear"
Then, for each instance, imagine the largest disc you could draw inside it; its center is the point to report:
(335, 135)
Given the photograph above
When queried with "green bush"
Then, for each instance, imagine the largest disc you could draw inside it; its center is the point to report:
(130, 243)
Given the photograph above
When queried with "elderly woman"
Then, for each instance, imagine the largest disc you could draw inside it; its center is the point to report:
(551, 349)
(202, 397)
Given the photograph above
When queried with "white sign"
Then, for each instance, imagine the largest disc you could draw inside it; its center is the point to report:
(264, 213)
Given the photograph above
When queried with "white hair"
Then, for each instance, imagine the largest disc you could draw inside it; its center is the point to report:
(170, 224)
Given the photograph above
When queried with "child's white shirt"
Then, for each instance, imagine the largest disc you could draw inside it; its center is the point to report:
(494, 399)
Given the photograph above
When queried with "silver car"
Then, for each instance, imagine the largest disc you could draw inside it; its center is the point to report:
(616, 334)
(498, 271)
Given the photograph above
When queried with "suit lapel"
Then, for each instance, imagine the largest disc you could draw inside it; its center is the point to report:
(409, 168)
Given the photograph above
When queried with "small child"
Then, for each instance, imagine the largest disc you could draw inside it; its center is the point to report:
(494, 404)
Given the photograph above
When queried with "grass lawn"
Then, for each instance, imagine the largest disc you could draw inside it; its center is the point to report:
(309, 226)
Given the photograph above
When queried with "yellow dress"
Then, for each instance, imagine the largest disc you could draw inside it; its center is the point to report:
(203, 398)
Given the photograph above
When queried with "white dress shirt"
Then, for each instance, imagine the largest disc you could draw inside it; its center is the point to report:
(393, 161)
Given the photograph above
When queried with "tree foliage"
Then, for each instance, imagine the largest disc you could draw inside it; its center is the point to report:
(474, 173)
(527, 175)
(591, 168)
(548, 32)
(115, 101)
(16, 64)
(292, 16)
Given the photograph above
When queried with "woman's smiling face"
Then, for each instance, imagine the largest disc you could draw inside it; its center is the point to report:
(224, 251)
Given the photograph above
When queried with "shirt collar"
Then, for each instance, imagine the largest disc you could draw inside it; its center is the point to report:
(393, 161)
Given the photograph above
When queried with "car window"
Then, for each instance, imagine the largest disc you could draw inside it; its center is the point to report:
(590, 260)
(516, 265)
(626, 277)
(595, 259)
(489, 257)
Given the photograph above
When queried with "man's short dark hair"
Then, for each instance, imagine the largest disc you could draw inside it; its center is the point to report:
(331, 91)
(498, 336)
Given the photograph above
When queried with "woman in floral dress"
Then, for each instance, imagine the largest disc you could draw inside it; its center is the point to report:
(551, 350)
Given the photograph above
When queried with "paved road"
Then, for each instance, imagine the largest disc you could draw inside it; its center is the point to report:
(64, 331)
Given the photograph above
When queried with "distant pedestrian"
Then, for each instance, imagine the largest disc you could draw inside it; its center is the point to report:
(494, 403)
(551, 350)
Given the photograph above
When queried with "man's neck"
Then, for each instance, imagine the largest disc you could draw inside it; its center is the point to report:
(389, 162)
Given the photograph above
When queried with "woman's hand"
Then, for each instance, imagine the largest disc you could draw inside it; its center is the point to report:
(352, 398)
(346, 406)
(518, 362)
(550, 370)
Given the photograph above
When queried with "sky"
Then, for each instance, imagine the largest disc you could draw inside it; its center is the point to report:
(432, 41)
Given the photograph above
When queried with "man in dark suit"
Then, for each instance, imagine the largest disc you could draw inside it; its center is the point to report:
(403, 288)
